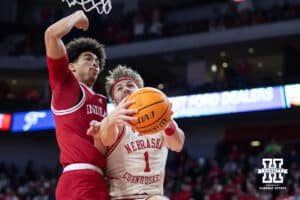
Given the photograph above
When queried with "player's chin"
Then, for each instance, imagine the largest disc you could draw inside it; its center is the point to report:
(94, 77)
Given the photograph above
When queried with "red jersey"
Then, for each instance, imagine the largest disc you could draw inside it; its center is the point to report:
(74, 105)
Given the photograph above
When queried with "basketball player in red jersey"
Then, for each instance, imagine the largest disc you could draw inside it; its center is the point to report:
(135, 163)
(73, 70)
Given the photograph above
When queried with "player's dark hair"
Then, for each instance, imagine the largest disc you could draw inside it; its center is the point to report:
(82, 44)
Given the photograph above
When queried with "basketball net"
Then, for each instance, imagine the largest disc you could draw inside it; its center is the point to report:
(102, 6)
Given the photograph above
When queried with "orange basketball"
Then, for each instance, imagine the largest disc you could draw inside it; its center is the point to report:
(154, 111)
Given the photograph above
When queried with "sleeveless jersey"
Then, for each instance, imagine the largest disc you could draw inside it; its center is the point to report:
(73, 121)
(136, 165)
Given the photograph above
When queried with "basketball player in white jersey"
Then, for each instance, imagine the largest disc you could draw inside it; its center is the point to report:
(135, 163)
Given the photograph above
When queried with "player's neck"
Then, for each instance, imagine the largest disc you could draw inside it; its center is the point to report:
(87, 85)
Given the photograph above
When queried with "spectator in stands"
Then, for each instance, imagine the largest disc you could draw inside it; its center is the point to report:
(4, 90)
(244, 6)
(156, 26)
(139, 27)
(273, 148)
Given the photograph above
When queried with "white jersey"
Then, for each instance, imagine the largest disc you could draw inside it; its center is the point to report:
(136, 165)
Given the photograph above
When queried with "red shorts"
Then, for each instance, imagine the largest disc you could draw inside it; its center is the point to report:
(81, 184)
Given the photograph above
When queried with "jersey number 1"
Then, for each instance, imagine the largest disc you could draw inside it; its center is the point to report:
(147, 167)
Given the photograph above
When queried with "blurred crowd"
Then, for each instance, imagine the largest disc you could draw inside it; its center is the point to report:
(27, 184)
(23, 98)
(25, 38)
(230, 176)
(26, 35)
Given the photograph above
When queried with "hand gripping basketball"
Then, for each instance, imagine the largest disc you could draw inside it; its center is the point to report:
(154, 110)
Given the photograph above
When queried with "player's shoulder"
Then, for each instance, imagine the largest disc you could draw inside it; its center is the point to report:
(92, 92)
(101, 96)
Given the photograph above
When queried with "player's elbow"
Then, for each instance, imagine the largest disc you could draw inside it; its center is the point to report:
(50, 34)
(177, 148)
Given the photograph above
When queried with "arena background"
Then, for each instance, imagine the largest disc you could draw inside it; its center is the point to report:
(183, 47)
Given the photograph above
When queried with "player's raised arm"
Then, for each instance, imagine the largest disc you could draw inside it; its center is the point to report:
(55, 47)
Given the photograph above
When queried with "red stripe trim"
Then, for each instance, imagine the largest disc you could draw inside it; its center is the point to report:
(136, 196)
(73, 108)
(112, 148)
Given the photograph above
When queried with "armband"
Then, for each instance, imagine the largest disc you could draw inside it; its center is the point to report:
(171, 128)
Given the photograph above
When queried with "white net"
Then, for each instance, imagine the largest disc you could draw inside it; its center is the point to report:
(102, 6)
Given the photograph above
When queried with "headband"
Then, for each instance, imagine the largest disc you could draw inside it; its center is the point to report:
(119, 80)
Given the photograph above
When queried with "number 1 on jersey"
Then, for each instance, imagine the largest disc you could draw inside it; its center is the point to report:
(147, 167)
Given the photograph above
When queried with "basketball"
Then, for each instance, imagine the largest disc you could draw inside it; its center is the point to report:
(154, 110)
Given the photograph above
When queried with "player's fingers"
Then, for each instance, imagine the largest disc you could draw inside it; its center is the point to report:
(93, 122)
(128, 103)
(171, 106)
(85, 25)
(124, 122)
(140, 134)
(133, 129)
(90, 132)
(95, 128)
(127, 124)
(128, 118)
(130, 111)
(126, 111)
(123, 100)
(84, 21)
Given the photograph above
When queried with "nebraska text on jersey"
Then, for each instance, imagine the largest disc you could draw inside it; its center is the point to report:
(147, 143)
(141, 179)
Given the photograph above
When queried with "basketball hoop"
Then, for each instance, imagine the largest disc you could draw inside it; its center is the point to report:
(102, 6)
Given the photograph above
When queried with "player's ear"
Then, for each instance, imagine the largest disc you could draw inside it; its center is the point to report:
(72, 67)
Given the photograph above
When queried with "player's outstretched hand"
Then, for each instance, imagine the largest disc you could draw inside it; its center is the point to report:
(82, 21)
(94, 129)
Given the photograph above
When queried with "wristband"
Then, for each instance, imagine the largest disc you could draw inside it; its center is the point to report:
(171, 128)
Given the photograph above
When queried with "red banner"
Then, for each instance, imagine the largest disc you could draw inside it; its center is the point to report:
(5, 121)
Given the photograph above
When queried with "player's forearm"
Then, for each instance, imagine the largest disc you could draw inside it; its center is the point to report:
(108, 132)
(62, 27)
(98, 145)
(175, 138)
(54, 34)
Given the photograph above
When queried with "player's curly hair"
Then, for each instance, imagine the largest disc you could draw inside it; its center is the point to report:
(82, 44)
(119, 72)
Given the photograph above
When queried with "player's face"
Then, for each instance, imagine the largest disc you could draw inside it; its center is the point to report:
(123, 89)
(87, 68)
